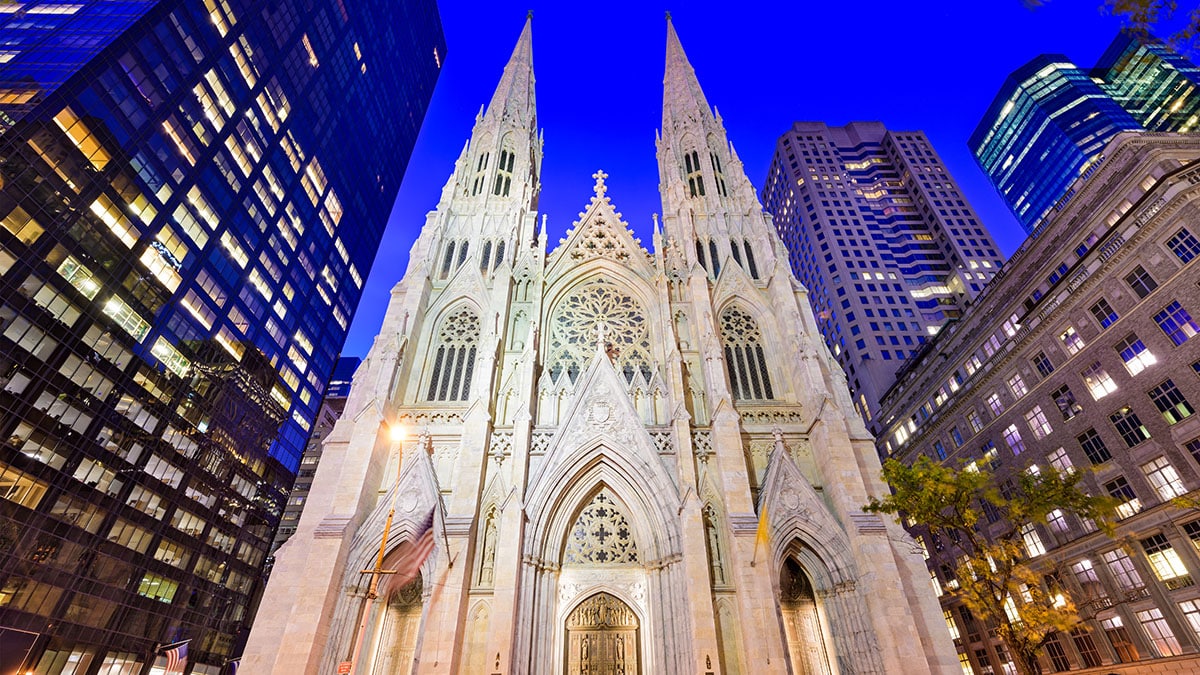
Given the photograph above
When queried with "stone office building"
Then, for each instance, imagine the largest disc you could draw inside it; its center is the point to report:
(1082, 354)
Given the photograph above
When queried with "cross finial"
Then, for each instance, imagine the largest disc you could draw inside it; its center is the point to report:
(600, 187)
(668, 15)
(529, 15)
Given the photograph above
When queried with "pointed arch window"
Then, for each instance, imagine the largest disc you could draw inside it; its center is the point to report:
(744, 359)
(712, 253)
(720, 175)
(454, 362)
(480, 175)
(751, 267)
(691, 161)
(504, 173)
(601, 534)
(499, 254)
(448, 259)
(485, 257)
(700, 254)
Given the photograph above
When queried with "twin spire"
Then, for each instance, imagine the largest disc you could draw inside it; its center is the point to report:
(514, 97)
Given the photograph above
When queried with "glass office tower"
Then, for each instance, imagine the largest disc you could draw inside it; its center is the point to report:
(1051, 120)
(191, 194)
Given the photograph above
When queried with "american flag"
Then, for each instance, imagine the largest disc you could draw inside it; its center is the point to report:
(410, 565)
(176, 656)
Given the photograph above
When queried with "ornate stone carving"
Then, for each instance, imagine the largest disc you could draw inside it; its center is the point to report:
(574, 325)
(601, 535)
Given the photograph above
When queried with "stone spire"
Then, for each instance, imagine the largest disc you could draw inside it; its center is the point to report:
(514, 98)
(683, 100)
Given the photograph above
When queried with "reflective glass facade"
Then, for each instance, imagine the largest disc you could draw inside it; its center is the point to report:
(189, 207)
(1051, 120)
(882, 237)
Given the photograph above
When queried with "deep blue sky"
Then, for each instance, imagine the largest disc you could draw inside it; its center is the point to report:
(933, 66)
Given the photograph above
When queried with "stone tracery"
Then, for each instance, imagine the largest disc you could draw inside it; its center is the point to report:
(573, 330)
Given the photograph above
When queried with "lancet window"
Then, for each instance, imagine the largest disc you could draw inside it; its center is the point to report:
(720, 175)
(454, 362)
(486, 261)
(713, 264)
(480, 173)
(744, 359)
(736, 246)
(599, 308)
(455, 255)
(691, 162)
(504, 173)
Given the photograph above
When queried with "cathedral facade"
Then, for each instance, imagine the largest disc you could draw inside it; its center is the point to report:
(639, 462)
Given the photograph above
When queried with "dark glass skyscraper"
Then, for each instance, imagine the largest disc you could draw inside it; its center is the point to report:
(1051, 120)
(191, 194)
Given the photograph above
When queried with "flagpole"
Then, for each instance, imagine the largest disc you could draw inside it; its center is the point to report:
(376, 573)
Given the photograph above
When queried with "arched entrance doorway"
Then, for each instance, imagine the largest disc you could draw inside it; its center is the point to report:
(802, 621)
(399, 628)
(602, 638)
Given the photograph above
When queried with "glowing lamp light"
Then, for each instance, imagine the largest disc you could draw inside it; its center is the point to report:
(397, 432)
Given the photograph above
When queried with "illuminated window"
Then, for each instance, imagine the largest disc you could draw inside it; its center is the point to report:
(1061, 461)
(125, 317)
(1017, 385)
(1056, 520)
(1033, 541)
(157, 588)
(1071, 340)
(1128, 502)
(1098, 381)
(1012, 436)
(110, 214)
(1038, 423)
(994, 404)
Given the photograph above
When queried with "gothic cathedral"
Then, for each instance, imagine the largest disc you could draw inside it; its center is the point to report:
(639, 462)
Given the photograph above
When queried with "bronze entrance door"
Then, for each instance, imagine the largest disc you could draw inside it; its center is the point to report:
(602, 638)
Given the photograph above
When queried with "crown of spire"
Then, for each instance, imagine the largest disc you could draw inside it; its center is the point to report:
(681, 90)
(514, 96)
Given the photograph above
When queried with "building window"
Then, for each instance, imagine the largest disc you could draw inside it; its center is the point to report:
(1056, 520)
(1013, 436)
(1104, 313)
(1093, 447)
(1170, 402)
(1163, 558)
(454, 363)
(1058, 655)
(1134, 353)
(718, 174)
(504, 173)
(1164, 479)
(1191, 613)
(1159, 632)
(1192, 530)
(1033, 541)
(1042, 363)
(695, 180)
(1129, 426)
(1176, 323)
(1088, 580)
(1036, 419)
(994, 404)
(1088, 652)
(1123, 569)
(957, 437)
(1184, 245)
(1098, 381)
(1065, 400)
(1193, 446)
(939, 449)
(1071, 340)
(975, 421)
(954, 634)
(1141, 282)
(1061, 461)
(1122, 643)
(1128, 503)
(1017, 385)
(747, 367)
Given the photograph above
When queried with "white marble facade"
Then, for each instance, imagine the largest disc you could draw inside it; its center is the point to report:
(601, 428)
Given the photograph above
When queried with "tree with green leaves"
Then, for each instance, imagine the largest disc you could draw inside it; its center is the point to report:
(997, 581)
(1178, 28)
